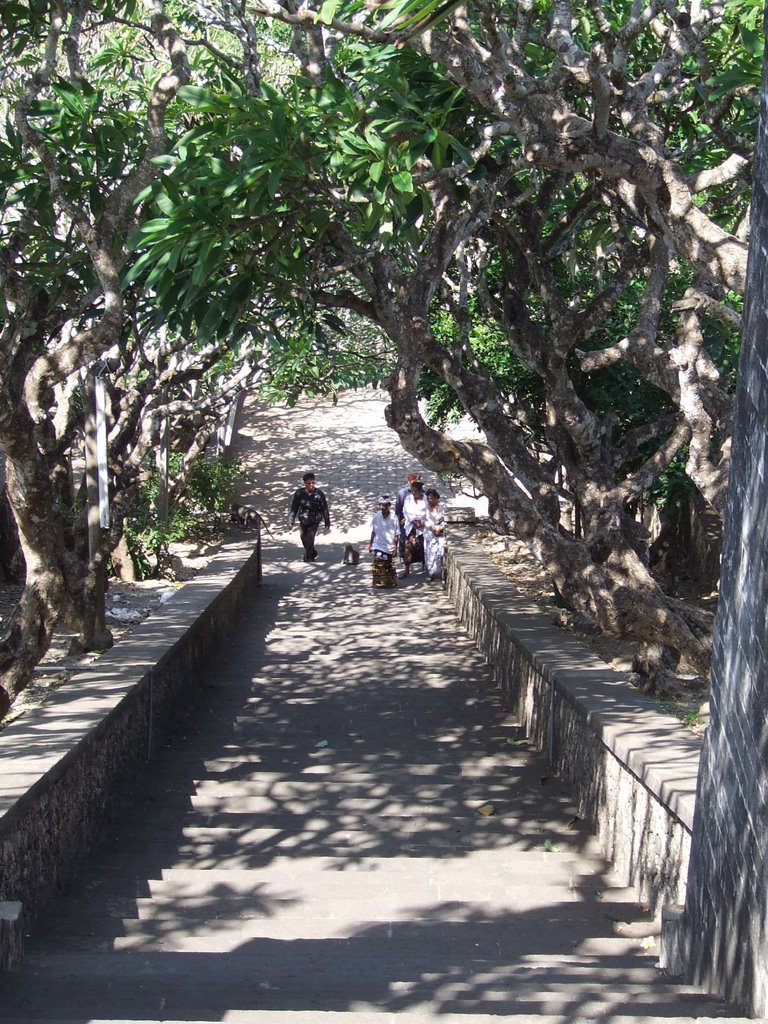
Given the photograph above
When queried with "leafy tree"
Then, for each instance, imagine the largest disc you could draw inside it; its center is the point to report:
(544, 206)
(539, 209)
(76, 148)
(88, 93)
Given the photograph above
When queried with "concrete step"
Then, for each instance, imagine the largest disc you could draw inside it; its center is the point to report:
(352, 843)
(217, 923)
(225, 801)
(199, 826)
(325, 789)
(259, 848)
(396, 769)
(387, 1017)
(512, 788)
(338, 976)
(238, 815)
(112, 904)
(479, 872)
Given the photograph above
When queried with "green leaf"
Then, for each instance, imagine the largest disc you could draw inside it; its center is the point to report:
(203, 99)
(754, 42)
(273, 181)
(403, 181)
(328, 11)
(376, 170)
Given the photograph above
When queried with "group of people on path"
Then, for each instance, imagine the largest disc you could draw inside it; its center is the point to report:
(415, 530)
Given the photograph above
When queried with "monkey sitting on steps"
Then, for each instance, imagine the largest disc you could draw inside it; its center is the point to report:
(351, 555)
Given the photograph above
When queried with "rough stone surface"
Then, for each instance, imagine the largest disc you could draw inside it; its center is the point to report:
(724, 932)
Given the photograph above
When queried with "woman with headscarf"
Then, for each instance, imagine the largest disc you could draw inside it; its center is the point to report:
(414, 514)
(434, 536)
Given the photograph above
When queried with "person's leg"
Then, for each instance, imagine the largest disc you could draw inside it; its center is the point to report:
(391, 573)
(379, 570)
(308, 542)
(312, 531)
(407, 555)
(417, 554)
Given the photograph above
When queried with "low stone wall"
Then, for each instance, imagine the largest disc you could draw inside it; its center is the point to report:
(65, 766)
(633, 768)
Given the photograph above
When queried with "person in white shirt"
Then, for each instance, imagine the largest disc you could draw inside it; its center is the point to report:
(383, 544)
(434, 536)
(414, 514)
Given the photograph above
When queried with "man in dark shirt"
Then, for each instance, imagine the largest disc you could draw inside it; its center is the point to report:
(309, 508)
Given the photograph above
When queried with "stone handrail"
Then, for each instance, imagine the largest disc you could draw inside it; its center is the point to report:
(66, 765)
(632, 766)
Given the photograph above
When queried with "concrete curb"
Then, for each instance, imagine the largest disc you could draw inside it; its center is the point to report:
(66, 765)
(633, 767)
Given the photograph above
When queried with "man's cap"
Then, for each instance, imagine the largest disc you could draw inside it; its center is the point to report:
(308, 476)
(418, 485)
(384, 500)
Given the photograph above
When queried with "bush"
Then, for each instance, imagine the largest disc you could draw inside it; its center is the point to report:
(206, 498)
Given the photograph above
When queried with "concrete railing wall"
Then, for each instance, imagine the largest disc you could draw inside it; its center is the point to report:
(66, 765)
(633, 767)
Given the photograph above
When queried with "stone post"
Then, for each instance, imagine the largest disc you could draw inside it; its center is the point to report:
(101, 637)
(722, 934)
(11, 935)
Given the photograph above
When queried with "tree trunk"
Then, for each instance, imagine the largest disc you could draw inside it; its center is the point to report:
(602, 574)
(51, 572)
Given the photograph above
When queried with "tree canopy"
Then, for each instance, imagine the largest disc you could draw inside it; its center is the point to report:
(532, 212)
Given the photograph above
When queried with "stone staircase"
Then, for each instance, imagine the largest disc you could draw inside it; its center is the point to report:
(349, 831)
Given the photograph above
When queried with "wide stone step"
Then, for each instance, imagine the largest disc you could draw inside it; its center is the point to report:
(189, 924)
(394, 769)
(223, 801)
(614, 908)
(236, 814)
(338, 976)
(387, 1017)
(478, 871)
(351, 842)
(327, 789)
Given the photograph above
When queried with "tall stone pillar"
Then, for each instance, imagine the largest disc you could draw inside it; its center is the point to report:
(723, 938)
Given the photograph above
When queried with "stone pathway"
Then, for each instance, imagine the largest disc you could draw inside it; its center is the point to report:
(349, 829)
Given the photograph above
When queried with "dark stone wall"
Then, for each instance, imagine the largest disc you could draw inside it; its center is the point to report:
(632, 768)
(724, 936)
(52, 826)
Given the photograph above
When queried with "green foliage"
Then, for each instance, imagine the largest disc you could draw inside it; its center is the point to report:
(740, 60)
(673, 488)
(207, 497)
(250, 191)
(211, 485)
(491, 354)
